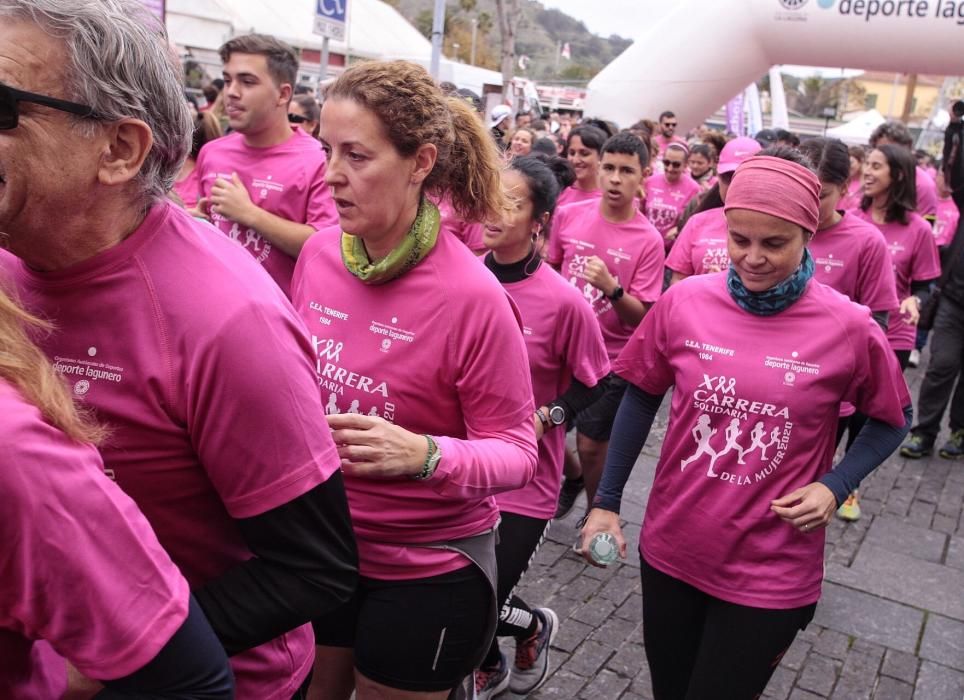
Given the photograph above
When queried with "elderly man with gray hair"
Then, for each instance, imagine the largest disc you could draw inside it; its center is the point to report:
(174, 337)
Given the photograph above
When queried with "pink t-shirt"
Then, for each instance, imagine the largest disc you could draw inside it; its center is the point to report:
(852, 257)
(188, 189)
(851, 200)
(563, 343)
(573, 195)
(753, 417)
(666, 200)
(926, 193)
(469, 233)
(203, 372)
(662, 143)
(82, 569)
(632, 250)
(915, 259)
(945, 226)
(437, 351)
(701, 245)
(287, 180)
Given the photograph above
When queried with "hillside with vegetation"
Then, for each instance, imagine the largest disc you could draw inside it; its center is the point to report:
(541, 34)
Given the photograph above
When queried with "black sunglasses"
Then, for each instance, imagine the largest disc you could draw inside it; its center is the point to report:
(296, 119)
(670, 123)
(10, 112)
(672, 163)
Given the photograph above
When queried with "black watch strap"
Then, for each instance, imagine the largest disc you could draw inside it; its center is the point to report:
(617, 294)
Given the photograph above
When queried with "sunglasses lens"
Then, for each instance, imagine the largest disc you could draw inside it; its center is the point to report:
(8, 110)
(296, 119)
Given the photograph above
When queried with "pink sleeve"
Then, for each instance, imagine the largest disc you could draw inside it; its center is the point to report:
(586, 355)
(321, 211)
(876, 288)
(644, 361)
(555, 253)
(681, 254)
(488, 355)
(878, 388)
(82, 567)
(253, 379)
(926, 193)
(647, 282)
(926, 264)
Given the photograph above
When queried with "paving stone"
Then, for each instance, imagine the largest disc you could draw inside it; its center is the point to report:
(615, 631)
(571, 635)
(944, 523)
(955, 553)
(562, 685)
(796, 654)
(900, 537)
(943, 641)
(893, 689)
(606, 684)
(781, 684)
(595, 612)
(799, 694)
(628, 660)
(632, 608)
(833, 644)
(863, 615)
(589, 658)
(900, 665)
(904, 579)
(818, 675)
(921, 513)
(935, 682)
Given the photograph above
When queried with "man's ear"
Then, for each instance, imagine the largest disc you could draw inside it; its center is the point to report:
(127, 144)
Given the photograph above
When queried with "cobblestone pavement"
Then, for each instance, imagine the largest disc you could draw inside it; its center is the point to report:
(890, 624)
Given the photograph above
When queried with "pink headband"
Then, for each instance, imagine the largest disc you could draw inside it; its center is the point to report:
(778, 187)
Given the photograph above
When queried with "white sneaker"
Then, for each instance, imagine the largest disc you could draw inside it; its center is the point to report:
(914, 359)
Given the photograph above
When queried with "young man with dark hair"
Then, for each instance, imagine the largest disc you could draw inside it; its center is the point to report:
(667, 133)
(264, 185)
(607, 249)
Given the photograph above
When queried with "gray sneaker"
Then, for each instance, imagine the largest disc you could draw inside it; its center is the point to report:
(489, 682)
(532, 655)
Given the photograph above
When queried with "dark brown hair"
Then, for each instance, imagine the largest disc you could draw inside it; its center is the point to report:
(282, 59)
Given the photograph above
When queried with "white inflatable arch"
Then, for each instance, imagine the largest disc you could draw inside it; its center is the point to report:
(703, 52)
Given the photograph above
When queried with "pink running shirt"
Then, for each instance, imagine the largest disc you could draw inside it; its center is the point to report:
(287, 180)
(437, 351)
(945, 226)
(665, 201)
(701, 245)
(469, 233)
(82, 569)
(753, 417)
(188, 189)
(632, 250)
(198, 364)
(573, 195)
(852, 257)
(926, 193)
(851, 200)
(563, 343)
(915, 259)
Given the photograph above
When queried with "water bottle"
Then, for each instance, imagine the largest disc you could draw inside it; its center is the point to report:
(603, 548)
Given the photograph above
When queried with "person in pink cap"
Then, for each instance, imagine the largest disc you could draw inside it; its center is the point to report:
(701, 246)
(760, 358)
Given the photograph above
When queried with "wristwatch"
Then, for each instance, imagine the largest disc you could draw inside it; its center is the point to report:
(557, 415)
(432, 458)
(617, 294)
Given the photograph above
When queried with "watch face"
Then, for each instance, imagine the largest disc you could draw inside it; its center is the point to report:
(557, 415)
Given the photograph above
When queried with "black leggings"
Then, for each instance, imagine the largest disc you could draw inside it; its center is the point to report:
(702, 647)
(519, 539)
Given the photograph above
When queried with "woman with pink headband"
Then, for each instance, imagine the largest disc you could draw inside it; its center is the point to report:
(760, 357)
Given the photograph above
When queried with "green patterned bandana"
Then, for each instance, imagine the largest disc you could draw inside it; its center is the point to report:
(416, 244)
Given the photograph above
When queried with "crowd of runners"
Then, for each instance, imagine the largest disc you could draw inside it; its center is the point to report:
(287, 378)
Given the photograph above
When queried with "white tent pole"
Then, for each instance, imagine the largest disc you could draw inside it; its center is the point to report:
(438, 28)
